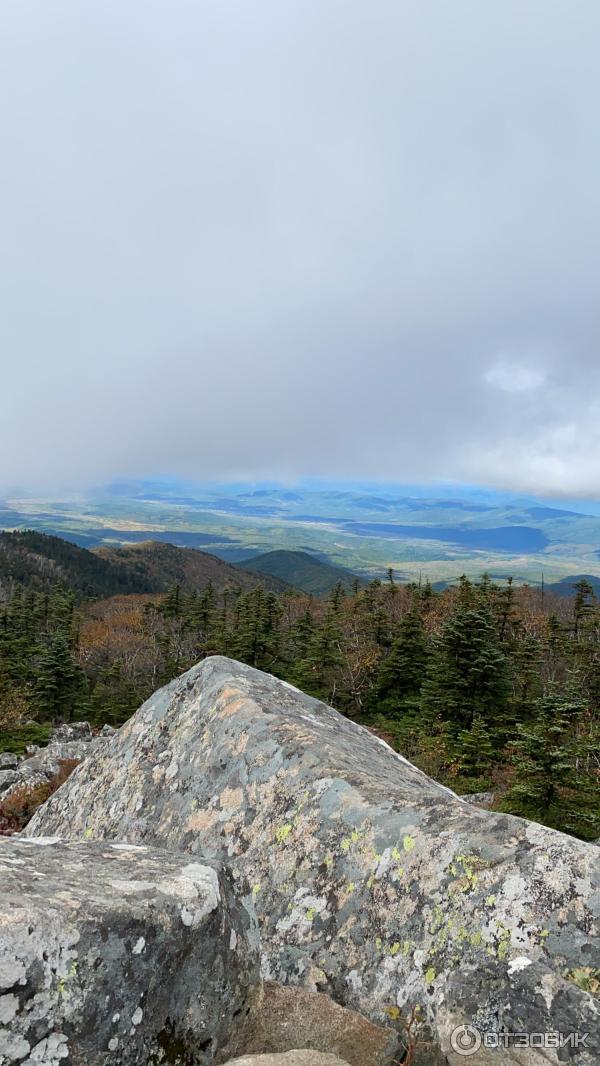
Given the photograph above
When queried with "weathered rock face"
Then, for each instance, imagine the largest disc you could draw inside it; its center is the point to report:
(370, 881)
(117, 955)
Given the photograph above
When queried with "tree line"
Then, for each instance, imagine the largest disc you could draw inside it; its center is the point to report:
(484, 686)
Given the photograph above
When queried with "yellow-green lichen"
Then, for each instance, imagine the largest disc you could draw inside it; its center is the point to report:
(586, 978)
(504, 940)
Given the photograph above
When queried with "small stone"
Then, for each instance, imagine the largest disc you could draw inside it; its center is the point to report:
(290, 1058)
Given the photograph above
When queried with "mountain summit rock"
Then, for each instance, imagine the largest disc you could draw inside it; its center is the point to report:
(371, 882)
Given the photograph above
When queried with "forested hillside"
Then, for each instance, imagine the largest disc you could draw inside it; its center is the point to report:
(482, 686)
(303, 571)
(33, 560)
(160, 566)
(39, 560)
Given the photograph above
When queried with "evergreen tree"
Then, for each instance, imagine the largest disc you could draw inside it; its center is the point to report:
(401, 672)
(468, 674)
(552, 782)
(60, 689)
(477, 754)
(114, 698)
(317, 672)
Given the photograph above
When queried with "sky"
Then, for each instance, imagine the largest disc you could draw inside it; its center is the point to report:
(301, 238)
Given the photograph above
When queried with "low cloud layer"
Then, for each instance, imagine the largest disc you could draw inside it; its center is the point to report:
(285, 239)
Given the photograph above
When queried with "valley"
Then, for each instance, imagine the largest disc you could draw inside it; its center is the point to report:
(425, 533)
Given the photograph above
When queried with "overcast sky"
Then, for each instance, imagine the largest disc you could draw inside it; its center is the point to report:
(280, 238)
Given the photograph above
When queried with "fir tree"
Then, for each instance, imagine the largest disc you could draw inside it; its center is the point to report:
(60, 688)
(401, 672)
(317, 672)
(468, 675)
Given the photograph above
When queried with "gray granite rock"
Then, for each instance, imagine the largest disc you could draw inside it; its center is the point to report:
(46, 763)
(480, 799)
(114, 956)
(67, 744)
(7, 779)
(8, 760)
(70, 731)
(371, 882)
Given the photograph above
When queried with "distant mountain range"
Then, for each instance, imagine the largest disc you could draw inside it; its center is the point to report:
(421, 532)
(41, 561)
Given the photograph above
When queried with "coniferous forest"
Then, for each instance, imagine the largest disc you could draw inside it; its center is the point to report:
(483, 686)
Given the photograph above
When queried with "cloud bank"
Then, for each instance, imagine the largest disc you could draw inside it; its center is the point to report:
(301, 239)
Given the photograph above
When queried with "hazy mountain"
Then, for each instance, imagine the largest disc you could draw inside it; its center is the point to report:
(566, 586)
(301, 570)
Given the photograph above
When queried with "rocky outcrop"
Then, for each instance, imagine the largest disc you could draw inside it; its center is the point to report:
(113, 955)
(68, 743)
(370, 881)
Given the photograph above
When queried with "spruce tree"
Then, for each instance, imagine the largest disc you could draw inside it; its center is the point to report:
(318, 672)
(468, 674)
(60, 689)
(553, 783)
(401, 672)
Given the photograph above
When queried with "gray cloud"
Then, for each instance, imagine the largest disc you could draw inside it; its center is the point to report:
(246, 239)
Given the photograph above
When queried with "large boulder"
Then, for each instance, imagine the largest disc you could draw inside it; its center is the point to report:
(371, 882)
(113, 955)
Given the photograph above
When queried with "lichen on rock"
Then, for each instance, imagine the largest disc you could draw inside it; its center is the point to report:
(109, 954)
(370, 881)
